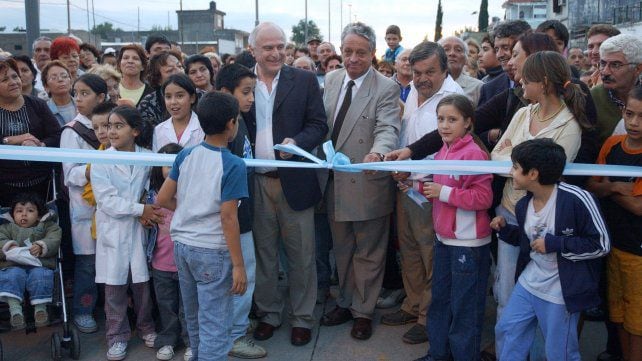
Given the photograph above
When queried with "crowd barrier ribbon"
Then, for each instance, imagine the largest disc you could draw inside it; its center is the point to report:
(334, 160)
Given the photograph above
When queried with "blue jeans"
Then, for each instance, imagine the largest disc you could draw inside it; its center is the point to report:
(456, 313)
(38, 281)
(243, 303)
(515, 331)
(85, 288)
(205, 277)
(323, 243)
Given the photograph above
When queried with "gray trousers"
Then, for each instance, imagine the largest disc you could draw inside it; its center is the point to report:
(274, 222)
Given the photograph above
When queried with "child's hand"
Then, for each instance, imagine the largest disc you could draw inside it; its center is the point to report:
(36, 250)
(539, 245)
(239, 280)
(498, 223)
(623, 188)
(432, 190)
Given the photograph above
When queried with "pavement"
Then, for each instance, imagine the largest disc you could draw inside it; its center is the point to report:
(328, 343)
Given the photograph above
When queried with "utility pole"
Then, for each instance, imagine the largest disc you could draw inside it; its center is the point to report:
(32, 14)
(305, 38)
(68, 18)
(93, 15)
(88, 29)
(180, 26)
(341, 18)
(138, 25)
(256, 7)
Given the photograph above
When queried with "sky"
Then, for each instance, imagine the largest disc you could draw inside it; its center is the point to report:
(416, 18)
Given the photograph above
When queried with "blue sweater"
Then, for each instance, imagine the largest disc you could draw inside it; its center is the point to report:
(580, 239)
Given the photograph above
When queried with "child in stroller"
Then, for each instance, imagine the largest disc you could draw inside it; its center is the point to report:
(29, 246)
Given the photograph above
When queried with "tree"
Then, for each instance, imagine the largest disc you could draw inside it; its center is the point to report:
(3, 28)
(482, 23)
(19, 29)
(298, 32)
(440, 15)
(104, 29)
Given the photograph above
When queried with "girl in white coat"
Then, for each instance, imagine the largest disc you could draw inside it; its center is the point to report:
(90, 90)
(120, 254)
(182, 127)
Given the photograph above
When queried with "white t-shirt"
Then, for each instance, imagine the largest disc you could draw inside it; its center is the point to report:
(541, 276)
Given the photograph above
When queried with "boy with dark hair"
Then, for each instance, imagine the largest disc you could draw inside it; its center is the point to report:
(35, 228)
(561, 235)
(393, 37)
(621, 200)
(157, 44)
(557, 31)
(240, 81)
(207, 248)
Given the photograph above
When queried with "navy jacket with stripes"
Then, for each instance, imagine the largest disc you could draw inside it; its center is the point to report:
(580, 239)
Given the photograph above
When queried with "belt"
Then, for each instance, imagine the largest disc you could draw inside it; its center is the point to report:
(271, 174)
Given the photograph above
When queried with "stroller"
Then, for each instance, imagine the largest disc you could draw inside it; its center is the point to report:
(70, 339)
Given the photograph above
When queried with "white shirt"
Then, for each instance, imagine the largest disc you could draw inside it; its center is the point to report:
(264, 104)
(164, 133)
(541, 276)
(421, 119)
(344, 88)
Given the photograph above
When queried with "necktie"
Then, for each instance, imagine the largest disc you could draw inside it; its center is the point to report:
(338, 122)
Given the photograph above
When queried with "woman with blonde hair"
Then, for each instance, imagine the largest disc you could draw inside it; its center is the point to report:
(111, 76)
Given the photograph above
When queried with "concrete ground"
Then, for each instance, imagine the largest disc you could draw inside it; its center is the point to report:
(328, 343)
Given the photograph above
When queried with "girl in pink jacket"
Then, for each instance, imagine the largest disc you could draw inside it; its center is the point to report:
(462, 248)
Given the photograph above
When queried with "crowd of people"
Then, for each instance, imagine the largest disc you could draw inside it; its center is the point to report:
(198, 249)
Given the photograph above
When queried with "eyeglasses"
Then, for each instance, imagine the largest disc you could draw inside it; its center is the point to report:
(58, 77)
(616, 65)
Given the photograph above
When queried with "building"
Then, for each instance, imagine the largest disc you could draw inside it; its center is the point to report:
(531, 11)
(16, 42)
(580, 15)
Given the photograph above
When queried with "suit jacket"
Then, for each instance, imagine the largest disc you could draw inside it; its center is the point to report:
(493, 87)
(298, 114)
(371, 124)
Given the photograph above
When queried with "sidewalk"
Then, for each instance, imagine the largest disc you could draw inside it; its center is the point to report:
(328, 343)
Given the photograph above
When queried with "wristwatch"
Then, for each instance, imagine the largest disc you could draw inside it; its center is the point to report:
(5, 140)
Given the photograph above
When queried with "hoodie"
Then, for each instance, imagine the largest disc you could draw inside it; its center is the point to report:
(460, 213)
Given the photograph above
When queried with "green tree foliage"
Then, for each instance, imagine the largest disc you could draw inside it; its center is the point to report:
(440, 16)
(482, 23)
(104, 29)
(298, 32)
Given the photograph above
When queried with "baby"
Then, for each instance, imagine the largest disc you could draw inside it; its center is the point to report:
(36, 228)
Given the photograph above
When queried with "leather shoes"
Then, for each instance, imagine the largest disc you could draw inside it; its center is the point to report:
(337, 316)
(300, 336)
(362, 328)
(263, 331)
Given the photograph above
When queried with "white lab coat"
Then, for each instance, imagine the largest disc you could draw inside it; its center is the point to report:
(120, 245)
(80, 211)
(164, 133)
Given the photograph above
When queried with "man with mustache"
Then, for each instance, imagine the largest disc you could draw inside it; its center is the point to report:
(506, 35)
(431, 83)
(41, 57)
(620, 66)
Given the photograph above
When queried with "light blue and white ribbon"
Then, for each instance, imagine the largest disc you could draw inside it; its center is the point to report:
(336, 161)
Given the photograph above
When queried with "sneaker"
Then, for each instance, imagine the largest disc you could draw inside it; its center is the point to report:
(85, 323)
(390, 298)
(188, 354)
(254, 323)
(117, 351)
(18, 321)
(41, 317)
(417, 334)
(149, 339)
(244, 347)
(398, 318)
(165, 353)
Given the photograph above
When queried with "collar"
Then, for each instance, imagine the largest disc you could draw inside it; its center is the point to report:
(276, 78)
(394, 77)
(357, 82)
(620, 104)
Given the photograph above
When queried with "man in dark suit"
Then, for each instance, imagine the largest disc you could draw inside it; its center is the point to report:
(288, 109)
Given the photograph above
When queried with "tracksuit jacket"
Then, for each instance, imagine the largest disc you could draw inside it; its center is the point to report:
(580, 239)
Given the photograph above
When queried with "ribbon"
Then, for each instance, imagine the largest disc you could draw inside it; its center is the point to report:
(334, 160)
